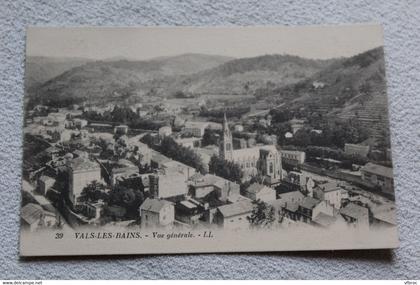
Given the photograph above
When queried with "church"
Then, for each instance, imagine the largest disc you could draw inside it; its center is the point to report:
(261, 159)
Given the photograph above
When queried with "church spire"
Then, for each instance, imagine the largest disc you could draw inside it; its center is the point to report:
(226, 146)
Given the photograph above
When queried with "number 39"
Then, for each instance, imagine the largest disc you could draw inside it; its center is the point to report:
(59, 235)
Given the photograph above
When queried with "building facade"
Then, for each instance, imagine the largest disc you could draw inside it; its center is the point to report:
(378, 175)
(82, 171)
(263, 159)
(156, 213)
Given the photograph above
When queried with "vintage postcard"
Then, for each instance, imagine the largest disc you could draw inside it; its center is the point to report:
(187, 140)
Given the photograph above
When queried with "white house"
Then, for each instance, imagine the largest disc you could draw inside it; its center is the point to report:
(261, 192)
(156, 213)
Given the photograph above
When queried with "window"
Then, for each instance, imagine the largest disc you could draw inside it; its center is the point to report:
(271, 167)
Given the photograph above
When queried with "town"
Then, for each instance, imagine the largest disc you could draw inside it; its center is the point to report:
(201, 164)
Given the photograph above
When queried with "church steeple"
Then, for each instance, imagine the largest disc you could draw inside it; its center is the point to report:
(226, 145)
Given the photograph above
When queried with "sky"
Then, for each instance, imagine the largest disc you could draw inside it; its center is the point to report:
(141, 43)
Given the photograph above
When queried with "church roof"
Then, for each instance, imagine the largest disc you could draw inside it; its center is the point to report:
(251, 152)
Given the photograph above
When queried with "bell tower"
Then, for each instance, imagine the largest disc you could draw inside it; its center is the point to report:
(226, 145)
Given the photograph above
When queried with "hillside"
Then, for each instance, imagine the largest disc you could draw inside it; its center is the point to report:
(40, 69)
(108, 80)
(192, 73)
(349, 88)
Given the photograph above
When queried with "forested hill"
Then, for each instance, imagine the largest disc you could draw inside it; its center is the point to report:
(194, 74)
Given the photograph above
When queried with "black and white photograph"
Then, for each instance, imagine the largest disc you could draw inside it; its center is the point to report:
(198, 139)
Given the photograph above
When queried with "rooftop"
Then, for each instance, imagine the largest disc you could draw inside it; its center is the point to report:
(378, 169)
(81, 163)
(210, 179)
(329, 186)
(324, 219)
(251, 152)
(200, 125)
(45, 178)
(31, 213)
(385, 213)
(235, 209)
(355, 211)
(309, 202)
(154, 205)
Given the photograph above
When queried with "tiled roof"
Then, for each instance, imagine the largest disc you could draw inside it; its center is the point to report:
(329, 186)
(81, 163)
(251, 152)
(45, 178)
(324, 219)
(154, 205)
(31, 213)
(355, 211)
(237, 208)
(309, 202)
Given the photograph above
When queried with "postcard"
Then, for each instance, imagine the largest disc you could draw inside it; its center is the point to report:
(157, 140)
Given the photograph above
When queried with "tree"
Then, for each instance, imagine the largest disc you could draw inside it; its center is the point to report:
(128, 198)
(226, 169)
(262, 216)
(93, 192)
(210, 137)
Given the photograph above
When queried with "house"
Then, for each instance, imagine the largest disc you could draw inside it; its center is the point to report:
(167, 185)
(195, 129)
(94, 210)
(306, 208)
(80, 123)
(156, 213)
(330, 192)
(34, 217)
(291, 211)
(45, 183)
(293, 157)
(190, 211)
(356, 149)
(201, 186)
(234, 216)
(356, 215)
(379, 175)
(290, 197)
(81, 171)
(260, 192)
(121, 129)
(173, 166)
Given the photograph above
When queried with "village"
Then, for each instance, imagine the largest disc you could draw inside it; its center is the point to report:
(163, 165)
